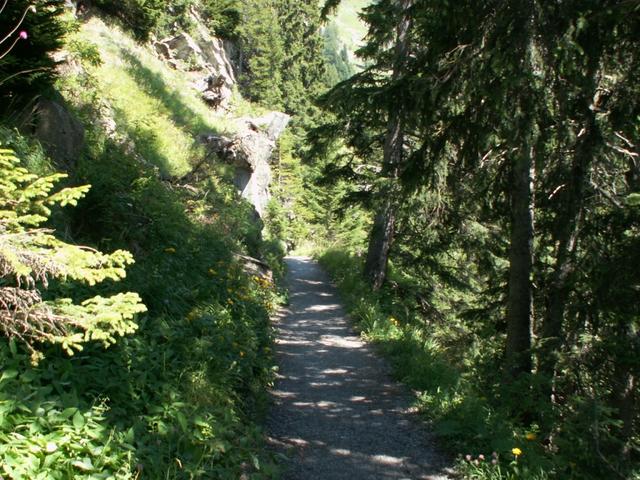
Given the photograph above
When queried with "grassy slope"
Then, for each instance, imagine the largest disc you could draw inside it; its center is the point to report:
(167, 113)
(177, 399)
(352, 29)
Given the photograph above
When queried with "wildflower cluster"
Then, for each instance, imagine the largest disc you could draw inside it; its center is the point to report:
(263, 281)
(481, 458)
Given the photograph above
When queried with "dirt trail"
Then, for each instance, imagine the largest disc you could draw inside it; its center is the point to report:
(337, 414)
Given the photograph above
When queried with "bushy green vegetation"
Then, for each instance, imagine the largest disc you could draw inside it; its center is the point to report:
(31, 257)
(450, 365)
(147, 101)
(29, 33)
(179, 397)
(146, 17)
(519, 336)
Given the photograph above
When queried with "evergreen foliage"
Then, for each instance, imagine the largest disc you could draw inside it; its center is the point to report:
(338, 64)
(160, 17)
(264, 49)
(29, 32)
(223, 16)
(30, 256)
(177, 398)
(514, 155)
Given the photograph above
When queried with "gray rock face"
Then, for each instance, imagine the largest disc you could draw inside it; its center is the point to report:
(207, 58)
(250, 152)
(61, 134)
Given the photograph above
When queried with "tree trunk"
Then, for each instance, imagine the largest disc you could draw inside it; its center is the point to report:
(567, 231)
(519, 296)
(520, 288)
(381, 237)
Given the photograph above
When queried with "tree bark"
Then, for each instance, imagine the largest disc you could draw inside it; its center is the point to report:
(520, 288)
(519, 296)
(382, 232)
(566, 237)
(625, 385)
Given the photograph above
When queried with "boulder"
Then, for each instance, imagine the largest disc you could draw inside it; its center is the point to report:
(254, 267)
(59, 132)
(253, 155)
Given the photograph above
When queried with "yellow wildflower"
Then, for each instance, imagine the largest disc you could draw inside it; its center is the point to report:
(516, 451)
(530, 436)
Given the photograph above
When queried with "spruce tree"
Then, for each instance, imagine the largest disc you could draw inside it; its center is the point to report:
(30, 31)
(30, 256)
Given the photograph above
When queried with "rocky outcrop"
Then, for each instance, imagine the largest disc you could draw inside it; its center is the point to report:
(59, 132)
(207, 59)
(254, 267)
(250, 151)
(209, 62)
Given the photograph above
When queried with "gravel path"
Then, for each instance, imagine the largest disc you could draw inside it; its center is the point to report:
(336, 412)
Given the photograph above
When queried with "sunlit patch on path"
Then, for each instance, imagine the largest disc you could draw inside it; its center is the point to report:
(336, 412)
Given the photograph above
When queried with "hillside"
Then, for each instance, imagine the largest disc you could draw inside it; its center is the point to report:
(179, 398)
(352, 29)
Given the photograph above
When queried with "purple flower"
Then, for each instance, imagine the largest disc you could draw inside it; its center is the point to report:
(23, 35)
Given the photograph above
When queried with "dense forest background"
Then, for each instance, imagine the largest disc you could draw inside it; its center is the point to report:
(472, 186)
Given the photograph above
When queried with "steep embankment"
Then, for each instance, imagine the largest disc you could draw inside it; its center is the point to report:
(178, 398)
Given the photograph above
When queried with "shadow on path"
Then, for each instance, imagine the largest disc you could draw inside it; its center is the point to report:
(336, 412)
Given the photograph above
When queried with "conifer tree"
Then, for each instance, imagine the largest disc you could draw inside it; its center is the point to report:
(30, 256)
(263, 47)
(303, 66)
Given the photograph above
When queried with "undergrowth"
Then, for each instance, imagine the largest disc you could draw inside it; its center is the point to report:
(457, 387)
(182, 397)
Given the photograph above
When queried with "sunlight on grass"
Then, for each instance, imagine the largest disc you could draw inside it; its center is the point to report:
(150, 101)
(352, 29)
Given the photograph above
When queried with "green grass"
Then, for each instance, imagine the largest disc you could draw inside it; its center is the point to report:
(182, 397)
(151, 103)
(352, 29)
(447, 383)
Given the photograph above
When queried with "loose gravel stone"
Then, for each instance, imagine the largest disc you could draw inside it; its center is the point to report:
(336, 413)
